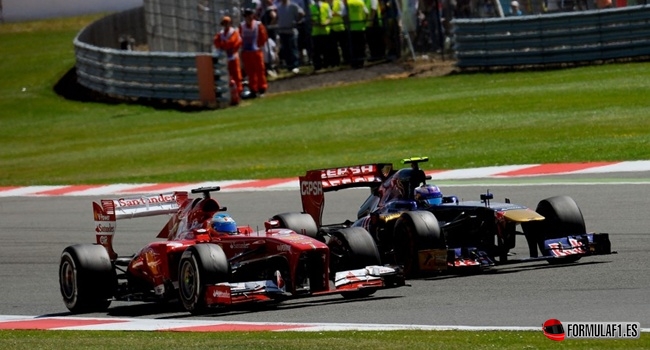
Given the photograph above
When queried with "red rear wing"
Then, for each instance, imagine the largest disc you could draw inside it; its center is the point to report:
(108, 211)
(316, 182)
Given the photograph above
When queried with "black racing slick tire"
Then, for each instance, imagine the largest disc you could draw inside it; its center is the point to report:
(86, 278)
(562, 218)
(414, 231)
(350, 249)
(301, 223)
(200, 265)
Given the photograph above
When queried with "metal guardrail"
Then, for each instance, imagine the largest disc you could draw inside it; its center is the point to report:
(111, 70)
(574, 37)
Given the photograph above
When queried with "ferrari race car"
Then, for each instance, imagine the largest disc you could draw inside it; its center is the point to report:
(205, 260)
(416, 227)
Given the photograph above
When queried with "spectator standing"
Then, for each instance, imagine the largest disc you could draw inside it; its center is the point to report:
(268, 15)
(229, 41)
(358, 13)
(375, 31)
(338, 34)
(254, 38)
(431, 10)
(514, 9)
(321, 15)
(603, 4)
(289, 14)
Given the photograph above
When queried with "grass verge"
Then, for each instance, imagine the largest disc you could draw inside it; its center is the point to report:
(115, 340)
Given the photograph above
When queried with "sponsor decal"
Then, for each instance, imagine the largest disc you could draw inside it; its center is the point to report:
(132, 202)
(558, 331)
(106, 227)
(243, 245)
(348, 171)
(218, 293)
(311, 188)
(284, 248)
(558, 249)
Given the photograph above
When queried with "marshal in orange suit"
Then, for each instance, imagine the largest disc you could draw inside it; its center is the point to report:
(230, 42)
(254, 37)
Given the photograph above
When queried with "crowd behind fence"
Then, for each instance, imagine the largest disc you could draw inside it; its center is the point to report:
(129, 54)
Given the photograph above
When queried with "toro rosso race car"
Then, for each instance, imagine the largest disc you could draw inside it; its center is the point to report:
(205, 260)
(416, 227)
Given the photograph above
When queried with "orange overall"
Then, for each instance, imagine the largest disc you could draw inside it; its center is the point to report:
(229, 41)
(254, 37)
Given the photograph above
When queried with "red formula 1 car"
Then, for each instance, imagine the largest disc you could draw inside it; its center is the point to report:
(416, 227)
(205, 260)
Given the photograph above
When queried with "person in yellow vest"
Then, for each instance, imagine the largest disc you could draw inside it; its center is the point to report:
(358, 14)
(375, 31)
(321, 15)
(338, 35)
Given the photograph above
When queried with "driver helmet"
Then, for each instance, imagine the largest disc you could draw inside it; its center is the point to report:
(430, 194)
(223, 222)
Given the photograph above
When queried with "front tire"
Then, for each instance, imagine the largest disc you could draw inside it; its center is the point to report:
(350, 249)
(86, 278)
(414, 231)
(562, 218)
(199, 266)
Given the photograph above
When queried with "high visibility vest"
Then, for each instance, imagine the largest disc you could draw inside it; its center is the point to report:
(357, 14)
(377, 21)
(320, 12)
(337, 23)
(249, 36)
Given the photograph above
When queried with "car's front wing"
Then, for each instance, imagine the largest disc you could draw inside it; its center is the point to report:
(371, 277)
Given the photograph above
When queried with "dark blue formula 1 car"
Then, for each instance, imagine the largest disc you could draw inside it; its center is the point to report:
(415, 226)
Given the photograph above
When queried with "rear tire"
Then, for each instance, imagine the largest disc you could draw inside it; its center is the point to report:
(86, 278)
(415, 230)
(350, 249)
(300, 223)
(200, 265)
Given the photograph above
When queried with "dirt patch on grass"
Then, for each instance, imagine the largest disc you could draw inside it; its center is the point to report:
(421, 67)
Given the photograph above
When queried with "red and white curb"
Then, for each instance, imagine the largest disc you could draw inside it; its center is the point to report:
(508, 171)
(128, 324)
(137, 324)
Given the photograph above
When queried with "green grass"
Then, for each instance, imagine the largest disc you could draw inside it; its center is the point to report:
(597, 113)
(584, 114)
(115, 340)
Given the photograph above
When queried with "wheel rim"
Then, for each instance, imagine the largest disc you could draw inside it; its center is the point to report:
(188, 281)
(68, 280)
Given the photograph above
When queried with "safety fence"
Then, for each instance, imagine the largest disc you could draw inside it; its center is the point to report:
(112, 58)
(575, 37)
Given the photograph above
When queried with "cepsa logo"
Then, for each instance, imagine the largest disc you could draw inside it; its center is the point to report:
(348, 171)
(311, 188)
(553, 329)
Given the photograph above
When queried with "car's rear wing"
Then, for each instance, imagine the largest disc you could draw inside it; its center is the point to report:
(315, 183)
(108, 211)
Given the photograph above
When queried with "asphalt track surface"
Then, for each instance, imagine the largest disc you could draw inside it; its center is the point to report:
(34, 231)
